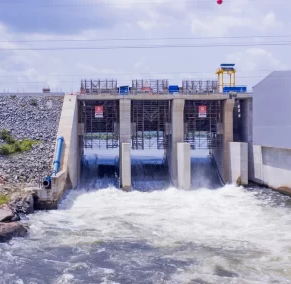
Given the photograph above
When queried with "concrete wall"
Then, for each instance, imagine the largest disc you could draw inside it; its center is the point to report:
(271, 166)
(272, 115)
(68, 176)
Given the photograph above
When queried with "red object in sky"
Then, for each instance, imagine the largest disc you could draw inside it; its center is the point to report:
(219, 2)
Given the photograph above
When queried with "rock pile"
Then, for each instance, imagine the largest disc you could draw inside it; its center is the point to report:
(35, 118)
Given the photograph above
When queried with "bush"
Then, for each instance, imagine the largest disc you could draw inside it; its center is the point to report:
(5, 149)
(3, 199)
(4, 133)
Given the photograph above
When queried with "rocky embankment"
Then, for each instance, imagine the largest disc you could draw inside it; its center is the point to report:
(35, 118)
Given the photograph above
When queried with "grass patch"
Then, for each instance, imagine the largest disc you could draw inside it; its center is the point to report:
(12, 146)
(3, 199)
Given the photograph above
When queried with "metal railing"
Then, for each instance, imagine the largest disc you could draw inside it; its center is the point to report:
(166, 92)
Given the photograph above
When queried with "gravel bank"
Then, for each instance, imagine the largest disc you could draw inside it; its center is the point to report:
(29, 117)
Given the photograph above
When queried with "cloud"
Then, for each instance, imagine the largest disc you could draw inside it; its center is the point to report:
(256, 63)
(223, 25)
(255, 59)
(55, 17)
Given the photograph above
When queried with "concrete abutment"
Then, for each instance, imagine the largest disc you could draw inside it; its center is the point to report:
(69, 171)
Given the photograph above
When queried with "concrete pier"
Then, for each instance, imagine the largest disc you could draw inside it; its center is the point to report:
(124, 144)
(227, 119)
(124, 121)
(177, 129)
(184, 165)
(125, 166)
(222, 154)
(239, 163)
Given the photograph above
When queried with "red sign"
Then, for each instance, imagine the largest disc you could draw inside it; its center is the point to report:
(98, 111)
(146, 89)
(202, 111)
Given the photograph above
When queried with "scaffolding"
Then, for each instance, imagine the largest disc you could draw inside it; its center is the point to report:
(153, 86)
(199, 86)
(99, 86)
(101, 130)
(150, 124)
(203, 131)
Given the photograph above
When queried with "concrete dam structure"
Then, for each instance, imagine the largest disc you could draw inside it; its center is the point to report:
(175, 124)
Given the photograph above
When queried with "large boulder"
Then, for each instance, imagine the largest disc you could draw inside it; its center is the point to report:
(11, 230)
(7, 214)
(22, 202)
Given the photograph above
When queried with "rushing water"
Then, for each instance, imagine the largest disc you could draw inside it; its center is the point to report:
(228, 235)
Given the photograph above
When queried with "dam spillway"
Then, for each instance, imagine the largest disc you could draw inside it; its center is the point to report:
(173, 124)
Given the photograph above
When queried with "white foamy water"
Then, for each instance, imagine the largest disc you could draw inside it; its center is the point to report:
(109, 236)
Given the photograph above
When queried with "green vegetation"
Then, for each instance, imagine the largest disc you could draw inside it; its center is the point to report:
(3, 199)
(12, 146)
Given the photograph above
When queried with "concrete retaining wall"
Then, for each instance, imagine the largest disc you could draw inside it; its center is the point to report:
(271, 167)
(68, 176)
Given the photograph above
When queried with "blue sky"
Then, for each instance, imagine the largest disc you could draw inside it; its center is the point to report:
(31, 70)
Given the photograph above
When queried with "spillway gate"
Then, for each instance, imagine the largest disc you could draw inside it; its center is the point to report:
(100, 129)
(203, 130)
(150, 122)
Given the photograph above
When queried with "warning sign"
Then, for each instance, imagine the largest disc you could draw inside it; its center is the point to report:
(202, 111)
(98, 111)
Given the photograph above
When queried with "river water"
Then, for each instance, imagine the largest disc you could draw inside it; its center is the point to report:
(201, 236)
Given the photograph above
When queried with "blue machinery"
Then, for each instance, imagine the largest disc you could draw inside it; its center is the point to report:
(47, 181)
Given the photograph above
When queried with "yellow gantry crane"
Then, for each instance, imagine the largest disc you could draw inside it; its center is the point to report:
(226, 69)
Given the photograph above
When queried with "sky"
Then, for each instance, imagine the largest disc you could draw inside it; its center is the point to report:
(58, 43)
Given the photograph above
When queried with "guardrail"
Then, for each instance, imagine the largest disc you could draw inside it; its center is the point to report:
(115, 93)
